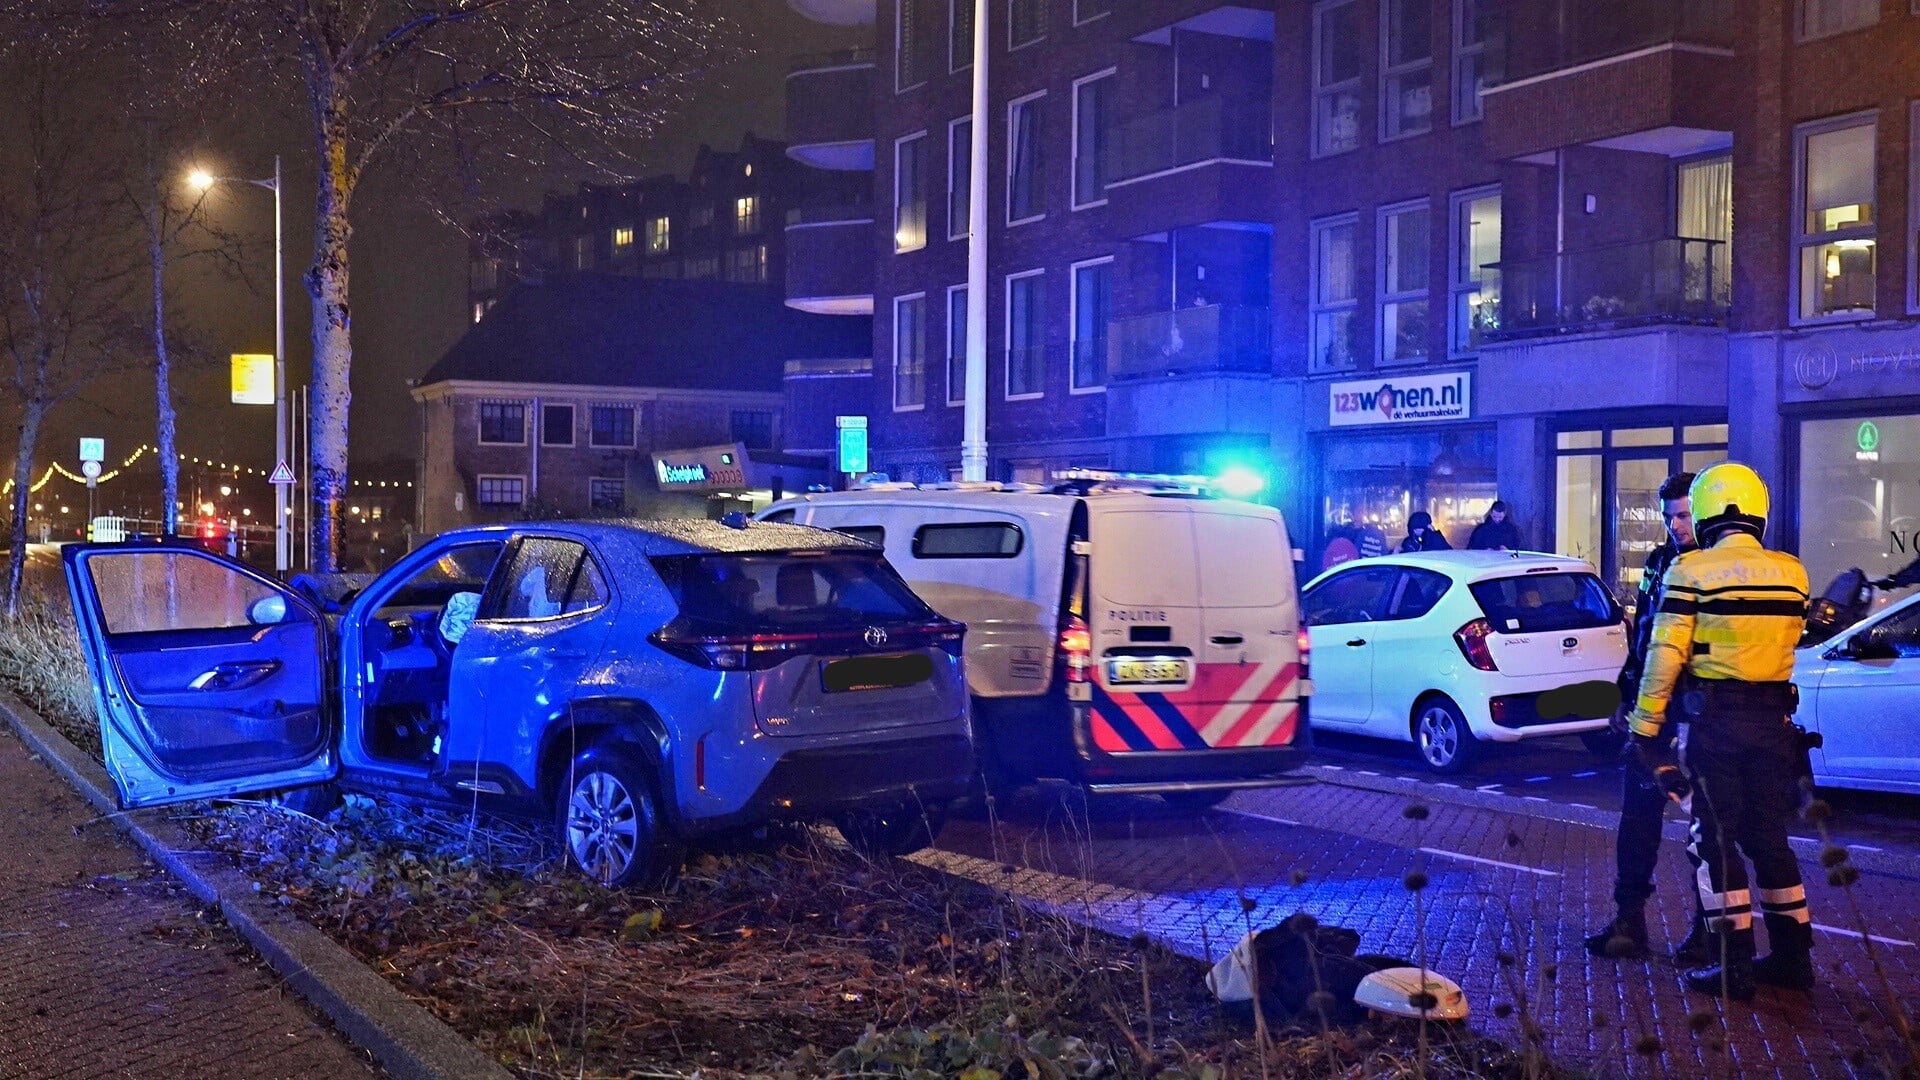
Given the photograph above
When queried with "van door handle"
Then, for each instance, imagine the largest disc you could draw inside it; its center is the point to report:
(1357, 642)
(1227, 639)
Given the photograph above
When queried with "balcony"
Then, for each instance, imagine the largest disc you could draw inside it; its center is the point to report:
(830, 260)
(829, 110)
(1209, 340)
(1633, 74)
(1674, 280)
(1205, 161)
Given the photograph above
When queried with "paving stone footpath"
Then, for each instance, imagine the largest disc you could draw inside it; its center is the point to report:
(108, 968)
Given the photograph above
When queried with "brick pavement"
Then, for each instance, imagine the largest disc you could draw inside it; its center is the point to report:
(108, 969)
(1137, 866)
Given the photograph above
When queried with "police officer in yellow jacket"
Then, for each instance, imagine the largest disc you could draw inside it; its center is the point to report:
(1721, 664)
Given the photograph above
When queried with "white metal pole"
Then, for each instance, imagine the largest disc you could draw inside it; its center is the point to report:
(973, 439)
(282, 549)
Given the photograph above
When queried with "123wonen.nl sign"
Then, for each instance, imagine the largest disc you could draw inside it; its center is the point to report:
(1400, 399)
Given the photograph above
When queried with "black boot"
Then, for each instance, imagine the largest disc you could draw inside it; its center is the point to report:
(1625, 938)
(1700, 947)
(1789, 964)
(1731, 975)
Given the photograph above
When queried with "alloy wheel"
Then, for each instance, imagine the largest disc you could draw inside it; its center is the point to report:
(1439, 736)
(603, 827)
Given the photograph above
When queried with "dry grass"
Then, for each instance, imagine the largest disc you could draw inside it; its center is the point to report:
(40, 660)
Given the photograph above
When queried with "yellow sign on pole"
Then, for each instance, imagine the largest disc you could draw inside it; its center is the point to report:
(253, 378)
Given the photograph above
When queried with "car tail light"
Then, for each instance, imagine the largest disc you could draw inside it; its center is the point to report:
(1076, 645)
(732, 651)
(1472, 639)
(1303, 644)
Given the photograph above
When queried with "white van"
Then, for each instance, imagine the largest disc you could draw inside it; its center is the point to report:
(1125, 637)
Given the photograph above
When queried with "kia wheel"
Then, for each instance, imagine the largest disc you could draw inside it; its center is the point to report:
(1439, 730)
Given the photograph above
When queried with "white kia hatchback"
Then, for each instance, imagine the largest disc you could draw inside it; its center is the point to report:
(1450, 649)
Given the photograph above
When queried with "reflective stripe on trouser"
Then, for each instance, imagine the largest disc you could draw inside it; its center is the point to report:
(1746, 788)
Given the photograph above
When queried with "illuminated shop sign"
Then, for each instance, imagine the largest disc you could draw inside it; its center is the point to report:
(1404, 399)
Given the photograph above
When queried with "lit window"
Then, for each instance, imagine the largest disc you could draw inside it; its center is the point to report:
(1335, 296)
(1406, 68)
(623, 239)
(479, 309)
(1337, 49)
(1404, 279)
(1090, 96)
(659, 236)
(746, 215)
(1835, 229)
(1475, 287)
(910, 352)
(1026, 164)
(910, 193)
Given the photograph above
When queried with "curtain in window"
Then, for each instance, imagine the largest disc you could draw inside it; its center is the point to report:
(1024, 154)
(1705, 190)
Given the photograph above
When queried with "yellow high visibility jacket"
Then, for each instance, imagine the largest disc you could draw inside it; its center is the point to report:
(1731, 611)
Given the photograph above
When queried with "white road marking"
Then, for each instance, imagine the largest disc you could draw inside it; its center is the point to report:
(1489, 862)
(1488, 787)
(1864, 847)
(1856, 935)
(1262, 817)
(1368, 772)
(1584, 775)
(1536, 798)
(1584, 806)
(1333, 768)
(1802, 840)
(1536, 779)
(1443, 783)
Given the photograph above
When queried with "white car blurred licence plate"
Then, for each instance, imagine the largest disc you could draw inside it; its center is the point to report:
(1147, 672)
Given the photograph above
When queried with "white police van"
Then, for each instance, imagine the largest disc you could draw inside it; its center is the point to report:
(1124, 634)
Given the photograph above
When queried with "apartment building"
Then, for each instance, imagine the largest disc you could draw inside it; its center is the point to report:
(1414, 254)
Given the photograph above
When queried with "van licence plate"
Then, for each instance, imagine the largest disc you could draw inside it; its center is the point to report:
(1145, 671)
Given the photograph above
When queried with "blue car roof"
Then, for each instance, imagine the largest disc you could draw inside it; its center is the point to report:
(695, 536)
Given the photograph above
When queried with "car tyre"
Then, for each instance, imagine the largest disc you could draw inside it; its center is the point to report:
(888, 832)
(607, 819)
(1441, 734)
(1194, 802)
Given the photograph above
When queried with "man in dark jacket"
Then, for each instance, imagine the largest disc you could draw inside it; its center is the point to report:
(1497, 532)
(1643, 804)
(1422, 536)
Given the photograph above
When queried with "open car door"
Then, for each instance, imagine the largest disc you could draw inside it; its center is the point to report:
(209, 678)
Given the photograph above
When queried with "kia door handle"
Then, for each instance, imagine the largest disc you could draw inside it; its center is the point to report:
(1357, 642)
(1227, 639)
(236, 675)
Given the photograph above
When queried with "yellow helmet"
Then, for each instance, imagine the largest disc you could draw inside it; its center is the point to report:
(1729, 496)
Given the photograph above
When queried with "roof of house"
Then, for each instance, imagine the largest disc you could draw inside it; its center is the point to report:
(604, 330)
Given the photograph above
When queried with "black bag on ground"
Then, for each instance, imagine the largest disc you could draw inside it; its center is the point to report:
(1296, 959)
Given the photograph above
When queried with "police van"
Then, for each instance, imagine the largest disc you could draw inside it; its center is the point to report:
(1125, 634)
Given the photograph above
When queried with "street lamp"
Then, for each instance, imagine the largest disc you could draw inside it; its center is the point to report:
(201, 180)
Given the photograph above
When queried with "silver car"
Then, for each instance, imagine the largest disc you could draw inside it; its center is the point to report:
(639, 684)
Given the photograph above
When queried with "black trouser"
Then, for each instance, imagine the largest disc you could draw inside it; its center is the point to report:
(1636, 848)
(1745, 760)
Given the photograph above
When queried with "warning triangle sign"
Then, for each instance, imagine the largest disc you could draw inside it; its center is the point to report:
(281, 475)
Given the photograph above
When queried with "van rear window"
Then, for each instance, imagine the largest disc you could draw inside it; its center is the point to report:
(783, 592)
(872, 534)
(970, 540)
(1536, 603)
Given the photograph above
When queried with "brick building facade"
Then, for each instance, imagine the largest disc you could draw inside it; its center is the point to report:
(1415, 254)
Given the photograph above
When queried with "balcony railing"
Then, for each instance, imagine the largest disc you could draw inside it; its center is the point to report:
(1547, 35)
(834, 59)
(1671, 280)
(1195, 340)
(1205, 129)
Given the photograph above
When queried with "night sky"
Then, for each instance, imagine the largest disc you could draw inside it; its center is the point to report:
(409, 270)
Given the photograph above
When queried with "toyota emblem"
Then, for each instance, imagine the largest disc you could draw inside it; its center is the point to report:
(876, 636)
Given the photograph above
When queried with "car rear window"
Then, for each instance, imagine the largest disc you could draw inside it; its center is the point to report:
(789, 591)
(1542, 602)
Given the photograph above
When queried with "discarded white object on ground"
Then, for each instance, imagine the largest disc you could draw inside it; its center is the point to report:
(1232, 978)
(1394, 991)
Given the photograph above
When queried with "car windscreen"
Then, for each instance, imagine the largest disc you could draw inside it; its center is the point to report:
(789, 591)
(1535, 603)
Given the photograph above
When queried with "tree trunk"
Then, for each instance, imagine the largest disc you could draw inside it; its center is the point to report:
(331, 392)
(33, 413)
(162, 373)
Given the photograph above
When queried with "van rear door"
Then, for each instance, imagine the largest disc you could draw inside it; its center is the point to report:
(1248, 693)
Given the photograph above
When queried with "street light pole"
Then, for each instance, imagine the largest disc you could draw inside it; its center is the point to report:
(973, 437)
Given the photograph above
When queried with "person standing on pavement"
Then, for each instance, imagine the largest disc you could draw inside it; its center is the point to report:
(1422, 536)
(1643, 804)
(1722, 654)
(1496, 532)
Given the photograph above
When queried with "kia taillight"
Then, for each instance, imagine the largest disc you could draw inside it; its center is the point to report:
(1076, 645)
(1303, 644)
(733, 651)
(1472, 639)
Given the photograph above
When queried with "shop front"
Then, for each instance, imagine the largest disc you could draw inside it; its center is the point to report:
(1607, 473)
(713, 481)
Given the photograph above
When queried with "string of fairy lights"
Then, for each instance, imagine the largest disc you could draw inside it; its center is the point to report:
(61, 471)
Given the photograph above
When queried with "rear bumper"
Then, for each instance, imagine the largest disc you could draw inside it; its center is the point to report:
(809, 784)
(1154, 771)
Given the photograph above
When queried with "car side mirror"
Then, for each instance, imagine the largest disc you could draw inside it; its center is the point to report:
(269, 610)
(1869, 647)
(457, 616)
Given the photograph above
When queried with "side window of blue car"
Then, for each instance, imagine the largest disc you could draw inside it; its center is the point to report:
(547, 577)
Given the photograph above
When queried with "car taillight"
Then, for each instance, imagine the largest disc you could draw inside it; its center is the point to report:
(1076, 645)
(1472, 639)
(1303, 644)
(758, 652)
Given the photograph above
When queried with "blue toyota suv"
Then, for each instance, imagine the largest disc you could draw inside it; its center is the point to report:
(639, 684)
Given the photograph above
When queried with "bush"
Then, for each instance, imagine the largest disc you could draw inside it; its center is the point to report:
(40, 660)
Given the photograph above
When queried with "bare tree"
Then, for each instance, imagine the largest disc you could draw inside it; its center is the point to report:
(65, 268)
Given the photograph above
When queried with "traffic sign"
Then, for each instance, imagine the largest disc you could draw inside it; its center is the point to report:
(282, 475)
(93, 449)
(90, 469)
(853, 443)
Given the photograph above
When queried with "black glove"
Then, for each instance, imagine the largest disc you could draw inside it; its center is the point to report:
(1654, 758)
(1884, 583)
